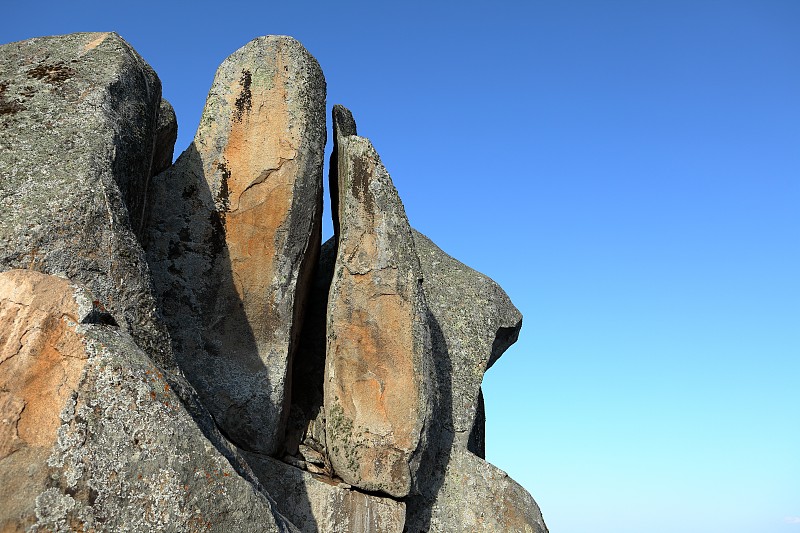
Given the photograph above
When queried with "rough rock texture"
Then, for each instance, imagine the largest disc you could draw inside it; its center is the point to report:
(93, 437)
(317, 503)
(477, 323)
(477, 496)
(378, 373)
(234, 234)
(472, 323)
(78, 116)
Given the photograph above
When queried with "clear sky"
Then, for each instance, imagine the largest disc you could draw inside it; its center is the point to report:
(628, 170)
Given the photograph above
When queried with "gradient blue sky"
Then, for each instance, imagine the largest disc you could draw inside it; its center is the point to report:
(629, 171)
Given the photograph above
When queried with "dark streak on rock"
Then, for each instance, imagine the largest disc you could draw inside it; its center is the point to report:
(244, 102)
(54, 74)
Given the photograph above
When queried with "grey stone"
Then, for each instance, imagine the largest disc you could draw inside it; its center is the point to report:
(102, 441)
(477, 496)
(234, 234)
(379, 369)
(78, 118)
(475, 322)
(316, 503)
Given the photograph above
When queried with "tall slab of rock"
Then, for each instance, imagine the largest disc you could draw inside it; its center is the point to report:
(234, 233)
(92, 437)
(316, 503)
(78, 120)
(378, 369)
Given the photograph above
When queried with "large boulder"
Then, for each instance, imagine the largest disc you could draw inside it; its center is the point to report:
(234, 233)
(479, 497)
(378, 373)
(78, 120)
(475, 322)
(93, 437)
(316, 503)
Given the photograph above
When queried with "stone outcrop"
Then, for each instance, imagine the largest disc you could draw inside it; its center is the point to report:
(78, 121)
(317, 503)
(234, 233)
(343, 380)
(479, 497)
(475, 323)
(93, 437)
(378, 368)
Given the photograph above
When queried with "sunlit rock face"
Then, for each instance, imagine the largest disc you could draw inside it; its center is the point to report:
(378, 373)
(92, 435)
(234, 233)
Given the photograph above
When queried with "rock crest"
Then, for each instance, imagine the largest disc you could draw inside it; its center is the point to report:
(121, 273)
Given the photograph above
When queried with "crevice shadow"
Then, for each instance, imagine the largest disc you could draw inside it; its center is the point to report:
(441, 433)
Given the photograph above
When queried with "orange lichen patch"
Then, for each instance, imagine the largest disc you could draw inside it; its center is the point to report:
(41, 357)
(94, 43)
(373, 366)
(259, 159)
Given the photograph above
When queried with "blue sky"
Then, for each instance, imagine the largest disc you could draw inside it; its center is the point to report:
(629, 171)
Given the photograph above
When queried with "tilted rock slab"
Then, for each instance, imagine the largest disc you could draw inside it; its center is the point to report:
(79, 116)
(234, 233)
(317, 503)
(92, 436)
(378, 373)
(475, 322)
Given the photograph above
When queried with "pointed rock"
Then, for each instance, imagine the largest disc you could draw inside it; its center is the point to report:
(475, 322)
(317, 503)
(234, 233)
(78, 122)
(378, 373)
(92, 435)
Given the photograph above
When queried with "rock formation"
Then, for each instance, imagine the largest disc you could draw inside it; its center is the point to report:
(378, 368)
(234, 233)
(93, 437)
(332, 388)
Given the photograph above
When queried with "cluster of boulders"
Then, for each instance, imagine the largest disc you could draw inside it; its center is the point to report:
(178, 349)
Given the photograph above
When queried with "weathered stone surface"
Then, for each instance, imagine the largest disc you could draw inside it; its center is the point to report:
(477, 323)
(472, 323)
(315, 503)
(78, 117)
(378, 373)
(93, 437)
(234, 233)
(477, 496)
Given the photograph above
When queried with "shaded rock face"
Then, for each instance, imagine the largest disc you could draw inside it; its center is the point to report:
(378, 373)
(78, 116)
(305, 432)
(478, 323)
(235, 232)
(477, 496)
(96, 439)
(317, 503)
